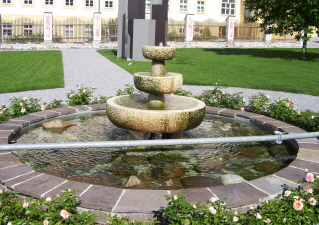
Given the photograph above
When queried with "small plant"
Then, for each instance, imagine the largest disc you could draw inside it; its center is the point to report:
(56, 210)
(55, 103)
(259, 104)
(125, 220)
(184, 93)
(22, 106)
(100, 100)
(82, 96)
(130, 89)
(282, 109)
(4, 114)
(220, 99)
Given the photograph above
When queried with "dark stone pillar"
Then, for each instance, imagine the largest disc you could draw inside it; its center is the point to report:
(159, 13)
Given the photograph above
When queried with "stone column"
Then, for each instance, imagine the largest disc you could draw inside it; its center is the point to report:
(47, 27)
(189, 27)
(230, 28)
(97, 27)
(159, 9)
(267, 38)
(121, 30)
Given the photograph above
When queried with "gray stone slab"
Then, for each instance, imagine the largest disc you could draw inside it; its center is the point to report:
(229, 112)
(12, 182)
(194, 195)
(16, 123)
(5, 133)
(100, 198)
(272, 185)
(308, 154)
(240, 194)
(73, 185)
(291, 174)
(30, 118)
(46, 113)
(94, 107)
(145, 201)
(39, 185)
(64, 110)
(304, 164)
(312, 146)
(7, 160)
(13, 171)
(80, 108)
(13, 128)
(292, 130)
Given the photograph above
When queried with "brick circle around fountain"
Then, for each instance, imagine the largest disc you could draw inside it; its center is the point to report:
(141, 204)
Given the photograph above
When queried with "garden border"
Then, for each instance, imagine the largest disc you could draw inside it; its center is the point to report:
(141, 204)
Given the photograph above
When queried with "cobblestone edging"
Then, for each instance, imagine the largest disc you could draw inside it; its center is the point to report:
(141, 204)
(113, 45)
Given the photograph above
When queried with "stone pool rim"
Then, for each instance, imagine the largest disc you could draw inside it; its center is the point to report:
(141, 204)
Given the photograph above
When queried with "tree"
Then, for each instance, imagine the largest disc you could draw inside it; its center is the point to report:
(283, 17)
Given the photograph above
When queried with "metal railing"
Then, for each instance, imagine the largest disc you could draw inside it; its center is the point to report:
(278, 137)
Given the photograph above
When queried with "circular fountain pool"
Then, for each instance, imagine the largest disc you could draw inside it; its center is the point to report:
(168, 167)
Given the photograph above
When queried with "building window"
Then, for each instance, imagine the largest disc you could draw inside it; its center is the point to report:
(89, 3)
(181, 30)
(88, 31)
(183, 6)
(69, 2)
(108, 4)
(7, 30)
(49, 2)
(68, 30)
(200, 6)
(228, 7)
(28, 2)
(27, 30)
(148, 4)
(6, 1)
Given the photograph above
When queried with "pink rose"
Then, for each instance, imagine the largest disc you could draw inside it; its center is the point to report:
(287, 193)
(65, 214)
(312, 201)
(235, 219)
(310, 177)
(45, 222)
(298, 205)
(287, 104)
(25, 205)
(242, 109)
(42, 107)
(212, 210)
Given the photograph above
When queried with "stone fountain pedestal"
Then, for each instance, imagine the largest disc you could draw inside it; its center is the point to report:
(159, 111)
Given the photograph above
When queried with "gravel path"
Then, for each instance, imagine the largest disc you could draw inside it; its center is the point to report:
(86, 66)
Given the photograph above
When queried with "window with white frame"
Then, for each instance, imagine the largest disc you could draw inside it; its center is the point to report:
(200, 6)
(183, 6)
(48, 2)
(69, 2)
(69, 31)
(6, 1)
(108, 4)
(148, 4)
(27, 30)
(88, 31)
(28, 2)
(7, 30)
(89, 3)
(228, 7)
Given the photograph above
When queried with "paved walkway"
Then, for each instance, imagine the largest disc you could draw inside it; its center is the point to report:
(86, 66)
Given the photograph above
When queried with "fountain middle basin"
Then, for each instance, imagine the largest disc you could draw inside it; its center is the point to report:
(133, 112)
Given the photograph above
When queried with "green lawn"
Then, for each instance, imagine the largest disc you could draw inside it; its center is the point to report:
(278, 69)
(30, 70)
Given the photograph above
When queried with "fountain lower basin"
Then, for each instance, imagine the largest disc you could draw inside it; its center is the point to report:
(132, 112)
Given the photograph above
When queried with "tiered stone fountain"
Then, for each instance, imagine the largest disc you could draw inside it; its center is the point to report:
(160, 111)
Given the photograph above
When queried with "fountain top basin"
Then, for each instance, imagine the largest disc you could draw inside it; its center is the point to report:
(158, 53)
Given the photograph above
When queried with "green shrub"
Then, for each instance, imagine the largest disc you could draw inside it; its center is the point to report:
(259, 104)
(82, 96)
(22, 106)
(220, 99)
(56, 210)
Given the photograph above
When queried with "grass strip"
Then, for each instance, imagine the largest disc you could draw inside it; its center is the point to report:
(277, 69)
(30, 70)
